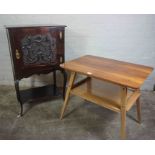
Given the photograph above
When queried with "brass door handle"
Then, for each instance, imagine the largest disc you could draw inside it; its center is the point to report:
(60, 34)
(17, 54)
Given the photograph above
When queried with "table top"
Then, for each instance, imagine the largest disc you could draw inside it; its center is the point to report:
(118, 72)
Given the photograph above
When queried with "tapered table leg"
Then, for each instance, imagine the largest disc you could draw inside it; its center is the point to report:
(123, 112)
(71, 81)
(138, 110)
(123, 124)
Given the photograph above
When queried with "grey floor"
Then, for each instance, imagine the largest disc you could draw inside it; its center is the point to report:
(82, 120)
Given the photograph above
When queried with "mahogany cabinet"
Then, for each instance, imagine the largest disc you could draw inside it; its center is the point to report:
(36, 50)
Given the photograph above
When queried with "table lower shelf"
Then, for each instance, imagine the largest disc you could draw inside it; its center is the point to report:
(104, 94)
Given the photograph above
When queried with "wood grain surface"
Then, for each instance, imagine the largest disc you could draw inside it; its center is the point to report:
(118, 72)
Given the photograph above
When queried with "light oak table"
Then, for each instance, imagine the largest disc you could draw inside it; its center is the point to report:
(112, 84)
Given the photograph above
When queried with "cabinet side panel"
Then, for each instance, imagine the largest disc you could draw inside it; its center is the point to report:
(11, 50)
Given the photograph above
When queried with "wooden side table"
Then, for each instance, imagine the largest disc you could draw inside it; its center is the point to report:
(110, 83)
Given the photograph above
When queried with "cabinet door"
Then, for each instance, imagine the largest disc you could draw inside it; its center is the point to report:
(35, 49)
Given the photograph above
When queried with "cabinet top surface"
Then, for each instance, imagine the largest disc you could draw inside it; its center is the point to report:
(118, 72)
(29, 26)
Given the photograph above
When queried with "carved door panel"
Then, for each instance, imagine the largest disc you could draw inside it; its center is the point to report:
(38, 49)
(35, 49)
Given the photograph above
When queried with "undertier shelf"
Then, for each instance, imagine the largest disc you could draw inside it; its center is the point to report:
(39, 94)
(105, 94)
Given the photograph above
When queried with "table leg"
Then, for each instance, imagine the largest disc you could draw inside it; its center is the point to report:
(123, 112)
(70, 84)
(123, 124)
(89, 85)
(138, 110)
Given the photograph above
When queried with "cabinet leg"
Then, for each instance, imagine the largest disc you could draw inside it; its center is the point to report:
(21, 110)
(64, 83)
(19, 98)
(71, 81)
(138, 110)
(54, 83)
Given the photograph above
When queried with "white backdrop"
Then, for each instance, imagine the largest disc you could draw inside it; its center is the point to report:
(123, 37)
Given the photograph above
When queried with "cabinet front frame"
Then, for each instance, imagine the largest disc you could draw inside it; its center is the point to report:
(22, 71)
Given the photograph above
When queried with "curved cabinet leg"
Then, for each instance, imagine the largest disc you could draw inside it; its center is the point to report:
(19, 97)
(64, 83)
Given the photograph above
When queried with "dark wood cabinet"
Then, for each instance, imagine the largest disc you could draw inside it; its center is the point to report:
(36, 50)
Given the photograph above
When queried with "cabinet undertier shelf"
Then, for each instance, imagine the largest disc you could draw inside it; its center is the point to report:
(104, 94)
(40, 94)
